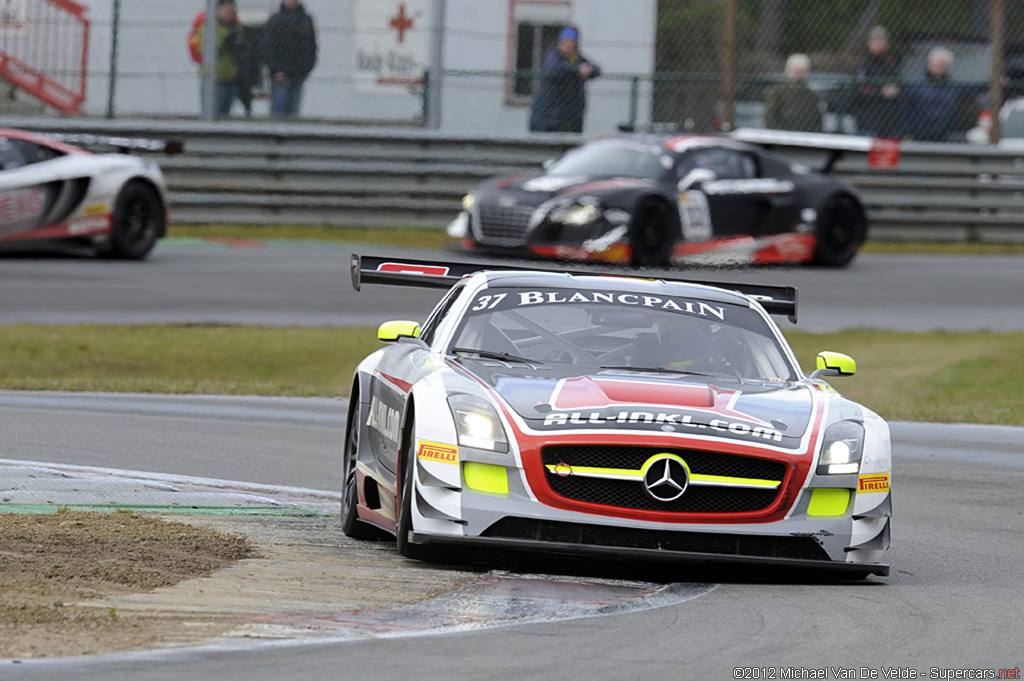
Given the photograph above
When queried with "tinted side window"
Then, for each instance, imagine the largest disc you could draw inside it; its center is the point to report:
(10, 155)
(727, 164)
(15, 153)
(439, 313)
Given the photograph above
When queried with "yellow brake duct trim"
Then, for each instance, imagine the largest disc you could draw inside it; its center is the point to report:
(485, 477)
(695, 478)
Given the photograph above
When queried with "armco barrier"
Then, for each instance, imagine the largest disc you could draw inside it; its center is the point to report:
(264, 173)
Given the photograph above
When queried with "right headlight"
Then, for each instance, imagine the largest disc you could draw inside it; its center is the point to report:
(477, 424)
(841, 451)
(576, 214)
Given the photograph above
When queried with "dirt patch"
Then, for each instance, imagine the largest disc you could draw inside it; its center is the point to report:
(51, 563)
(81, 583)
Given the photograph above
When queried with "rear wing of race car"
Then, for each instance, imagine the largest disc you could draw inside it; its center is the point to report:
(369, 269)
(836, 146)
(122, 144)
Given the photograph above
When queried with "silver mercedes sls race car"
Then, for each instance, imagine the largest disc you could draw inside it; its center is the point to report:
(52, 192)
(603, 414)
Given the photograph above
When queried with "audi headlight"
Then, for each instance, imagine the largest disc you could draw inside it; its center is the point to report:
(477, 424)
(842, 448)
(576, 214)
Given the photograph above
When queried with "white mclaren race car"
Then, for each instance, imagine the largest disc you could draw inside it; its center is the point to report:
(589, 413)
(54, 192)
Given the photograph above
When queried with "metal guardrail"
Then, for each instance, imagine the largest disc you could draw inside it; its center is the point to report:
(267, 173)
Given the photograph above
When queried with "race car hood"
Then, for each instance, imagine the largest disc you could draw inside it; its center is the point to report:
(762, 411)
(533, 190)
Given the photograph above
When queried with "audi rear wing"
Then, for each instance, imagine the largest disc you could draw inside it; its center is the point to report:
(370, 269)
(835, 145)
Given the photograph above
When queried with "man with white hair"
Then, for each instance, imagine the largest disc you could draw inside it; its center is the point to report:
(791, 105)
(932, 101)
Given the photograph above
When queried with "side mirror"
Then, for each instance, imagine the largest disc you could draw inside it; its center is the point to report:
(548, 164)
(834, 364)
(696, 176)
(392, 332)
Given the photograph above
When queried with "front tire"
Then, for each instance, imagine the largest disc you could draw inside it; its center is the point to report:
(652, 234)
(842, 229)
(351, 525)
(406, 491)
(138, 221)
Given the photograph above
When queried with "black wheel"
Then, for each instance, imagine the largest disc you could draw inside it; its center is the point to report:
(137, 223)
(841, 230)
(351, 525)
(406, 491)
(652, 234)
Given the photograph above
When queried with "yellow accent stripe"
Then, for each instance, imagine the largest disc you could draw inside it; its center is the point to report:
(725, 481)
(695, 478)
(608, 473)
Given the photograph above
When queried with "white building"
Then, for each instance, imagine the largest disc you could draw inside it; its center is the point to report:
(372, 54)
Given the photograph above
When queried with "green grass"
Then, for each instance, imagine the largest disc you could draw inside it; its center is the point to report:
(942, 248)
(410, 237)
(201, 359)
(974, 377)
(950, 377)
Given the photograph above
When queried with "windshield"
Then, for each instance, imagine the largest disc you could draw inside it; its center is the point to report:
(614, 159)
(620, 330)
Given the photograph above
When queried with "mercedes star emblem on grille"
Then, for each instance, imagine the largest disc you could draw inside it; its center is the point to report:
(666, 479)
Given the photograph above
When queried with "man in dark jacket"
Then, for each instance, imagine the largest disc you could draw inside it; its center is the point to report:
(561, 98)
(289, 49)
(792, 104)
(877, 102)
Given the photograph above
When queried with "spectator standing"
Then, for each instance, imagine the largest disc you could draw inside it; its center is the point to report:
(247, 77)
(561, 98)
(877, 102)
(290, 51)
(791, 104)
(931, 102)
(230, 46)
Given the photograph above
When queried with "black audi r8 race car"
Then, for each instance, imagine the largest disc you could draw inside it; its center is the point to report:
(590, 413)
(661, 200)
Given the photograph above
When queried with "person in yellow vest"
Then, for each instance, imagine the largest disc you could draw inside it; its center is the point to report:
(230, 48)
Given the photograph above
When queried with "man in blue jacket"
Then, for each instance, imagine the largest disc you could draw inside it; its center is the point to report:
(931, 103)
(561, 98)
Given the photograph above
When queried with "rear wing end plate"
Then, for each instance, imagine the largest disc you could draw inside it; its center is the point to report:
(369, 269)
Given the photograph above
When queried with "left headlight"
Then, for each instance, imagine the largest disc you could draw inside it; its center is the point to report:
(477, 423)
(576, 214)
(842, 449)
(468, 203)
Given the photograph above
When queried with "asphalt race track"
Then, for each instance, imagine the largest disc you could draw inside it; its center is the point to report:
(282, 286)
(953, 601)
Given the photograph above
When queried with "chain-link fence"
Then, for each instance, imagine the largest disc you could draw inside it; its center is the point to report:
(922, 69)
(901, 68)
